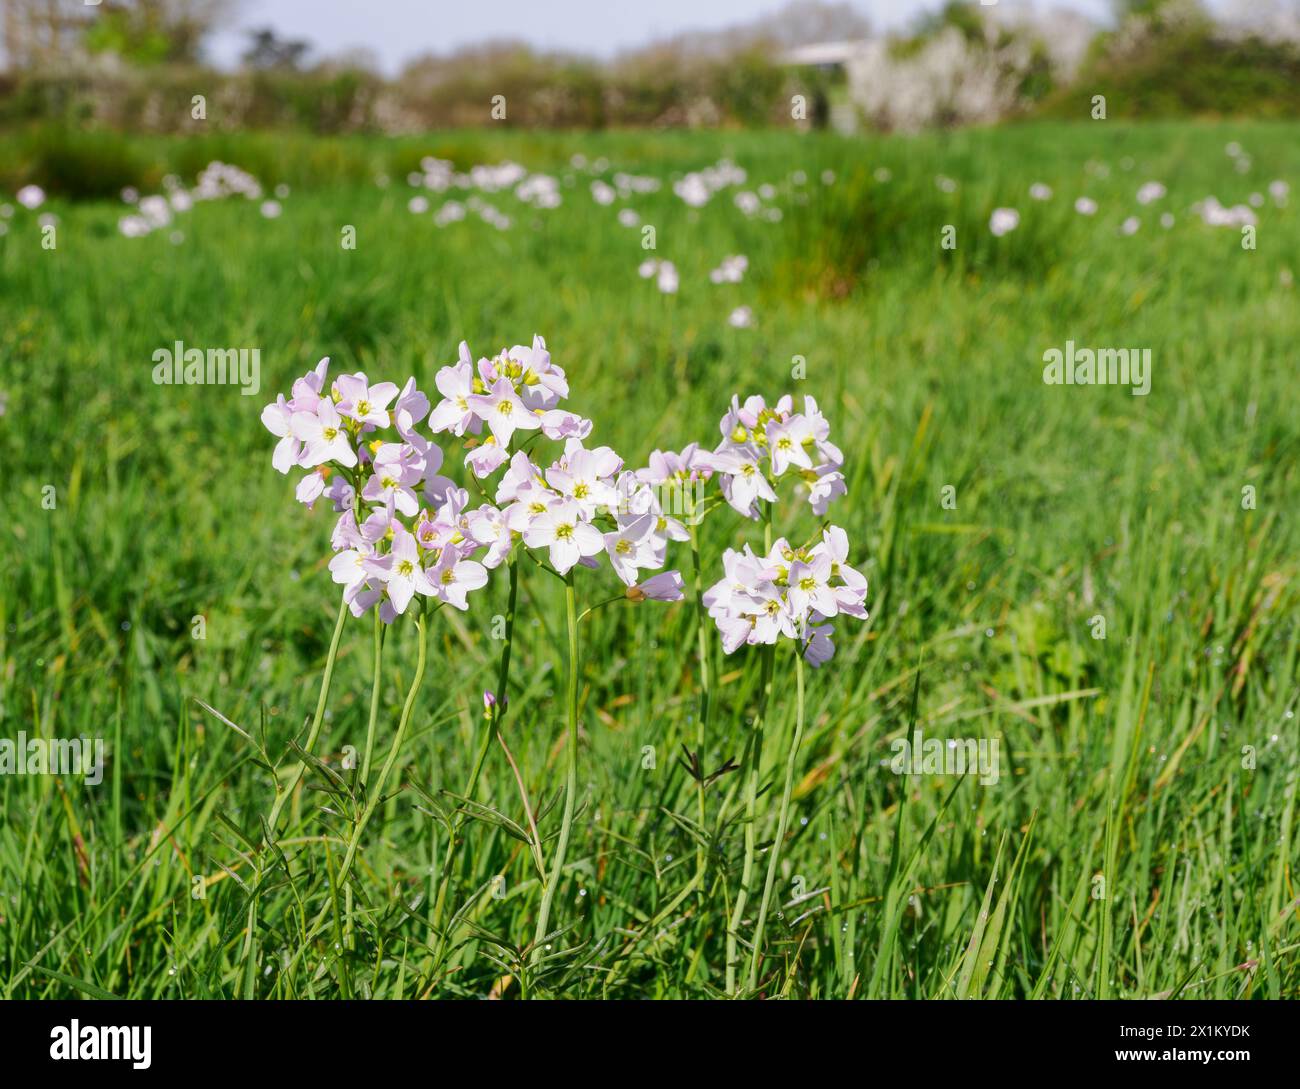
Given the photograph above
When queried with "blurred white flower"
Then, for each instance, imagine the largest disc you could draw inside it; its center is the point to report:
(1130, 226)
(451, 212)
(31, 196)
(1003, 221)
(731, 271)
(417, 205)
(1039, 191)
(741, 318)
(1151, 191)
(1215, 214)
(270, 209)
(1085, 206)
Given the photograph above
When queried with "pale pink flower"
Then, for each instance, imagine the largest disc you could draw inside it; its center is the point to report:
(561, 529)
(323, 437)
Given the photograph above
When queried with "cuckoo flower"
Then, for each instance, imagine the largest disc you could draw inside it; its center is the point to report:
(324, 437)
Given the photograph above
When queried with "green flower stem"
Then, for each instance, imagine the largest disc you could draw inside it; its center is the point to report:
(571, 774)
(371, 727)
(491, 729)
(283, 796)
(782, 822)
(373, 796)
(701, 723)
(752, 762)
(375, 686)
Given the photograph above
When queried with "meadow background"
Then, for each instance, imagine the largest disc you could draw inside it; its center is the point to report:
(1127, 850)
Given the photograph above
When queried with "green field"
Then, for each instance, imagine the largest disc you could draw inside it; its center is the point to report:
(1141, 839)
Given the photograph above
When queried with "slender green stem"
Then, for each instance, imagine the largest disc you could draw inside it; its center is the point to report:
(373, 795)
(701, 722)
(371, 728)
(491, 729)
(782, 822)
(752, 766)
(571, 774)
(375, 685)
(295, 778)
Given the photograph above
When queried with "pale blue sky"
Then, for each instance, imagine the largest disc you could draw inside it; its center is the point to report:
(396, 30)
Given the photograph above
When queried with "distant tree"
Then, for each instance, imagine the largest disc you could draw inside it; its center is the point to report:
(267, 51)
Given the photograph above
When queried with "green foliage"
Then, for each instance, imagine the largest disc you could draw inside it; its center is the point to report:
(1188, 72)
(80, 165)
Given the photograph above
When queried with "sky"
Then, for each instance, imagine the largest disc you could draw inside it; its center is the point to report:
(396, 30)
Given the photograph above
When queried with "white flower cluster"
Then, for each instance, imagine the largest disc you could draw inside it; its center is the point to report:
(698, 187)
(761, 444)
(216, 181)
(404, 530)
(791, 592)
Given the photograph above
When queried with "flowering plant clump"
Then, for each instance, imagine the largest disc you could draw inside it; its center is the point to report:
(408, 540)
(407, 534)
(784, 591)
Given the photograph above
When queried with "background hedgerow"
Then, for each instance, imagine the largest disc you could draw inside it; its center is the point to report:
(1125, 851)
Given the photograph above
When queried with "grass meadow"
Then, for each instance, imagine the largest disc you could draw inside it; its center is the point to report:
(1141, 839)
